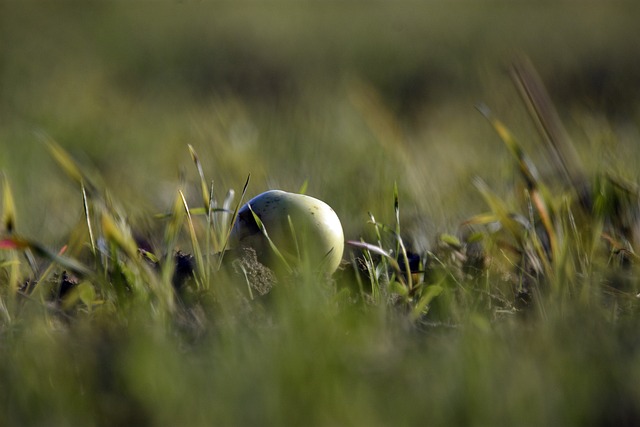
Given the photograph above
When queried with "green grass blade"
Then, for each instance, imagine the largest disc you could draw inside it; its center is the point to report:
(171, 235)
(379, 251)
(197, 252)
(204, 188)
(63, 159)
(428, 295)
(500, 210)
(8, 207)
(400, 243)
(527, 168)
(233, 220)
(17, 243)
(559, 145)
(87, 215)
(272, 245)
(118, 235)
(303, 187)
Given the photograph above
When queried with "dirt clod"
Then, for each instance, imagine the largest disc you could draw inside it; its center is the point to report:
(260, 277)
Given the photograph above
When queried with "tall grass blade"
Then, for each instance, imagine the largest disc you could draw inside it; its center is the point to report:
(378, 251)
(402, 249)
(303, 187)
(225, 223)
(204, 188)
(545, 217)
(527, 168)
(233, 220)
(122, 238)
(294, 236)
(171, 234)
(546, 119)
(8, 207)
(501, 211)
(18, 243)
(197, 252)
(172, 229)
(272, 245)
(428, 295)
(538, 191)
(63, 159)
(87, 215)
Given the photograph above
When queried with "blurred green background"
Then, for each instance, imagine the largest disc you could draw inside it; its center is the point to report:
(351, 96)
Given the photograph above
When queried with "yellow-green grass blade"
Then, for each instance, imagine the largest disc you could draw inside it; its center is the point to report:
(402, 249)
(195, 245)
(378, 251)
(526, 166)
(204, 188)
(545, 217)
(65, 160)
(8, 207)
(19, 244)
(225, 219)
(87, 215)
(118, 235)
(303, 187)
(294, 237)
(538, 191)
(546, 119)
(171, 234)
(233, 220)
(500, 210)
(429, 293)
(272, 245)
(84, 292)
(70, 166)
(483, 219)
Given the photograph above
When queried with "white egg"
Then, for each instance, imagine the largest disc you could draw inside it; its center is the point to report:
(304, 230)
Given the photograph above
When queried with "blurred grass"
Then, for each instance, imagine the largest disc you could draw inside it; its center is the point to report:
(128, 86)
(352, 97)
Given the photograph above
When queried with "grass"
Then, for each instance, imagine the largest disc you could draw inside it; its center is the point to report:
(492, 274)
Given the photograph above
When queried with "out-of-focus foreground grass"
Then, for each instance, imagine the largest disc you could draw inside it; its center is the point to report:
(351, 98)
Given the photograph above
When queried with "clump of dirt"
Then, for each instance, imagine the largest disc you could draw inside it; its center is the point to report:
(244, 263)
(260, 277)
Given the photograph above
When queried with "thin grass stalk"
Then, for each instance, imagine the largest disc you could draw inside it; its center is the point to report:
(226, 221)
(212, 243)
(401, 246)
(545, 259)
(171, 234)
(233, 220)
(8, 207)
(120, 239)
(295, 239)
(545, 217)
(9, 224)
(546, 119)
(373, 277)
(203, 275)
(87, 215)
(384, 260)
(501, 211)
(391, 261)
(247, 281)
(204, 190)
(356, 271)
(272, 245)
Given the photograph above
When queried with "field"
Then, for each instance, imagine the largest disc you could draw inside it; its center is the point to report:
(482, 158)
